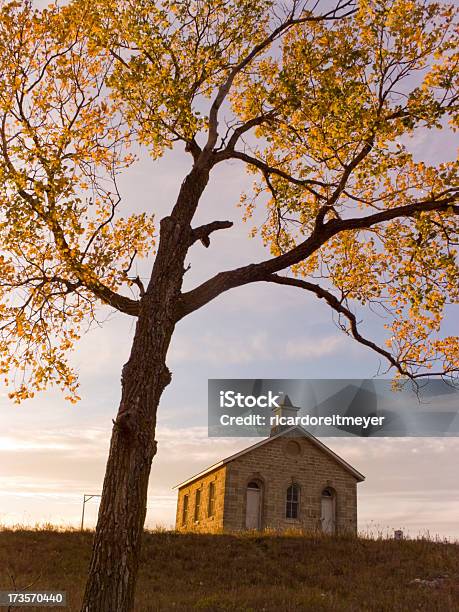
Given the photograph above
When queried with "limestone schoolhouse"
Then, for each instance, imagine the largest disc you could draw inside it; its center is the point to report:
(289, 480)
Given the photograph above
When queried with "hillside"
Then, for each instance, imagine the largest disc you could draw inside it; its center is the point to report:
(249, 572)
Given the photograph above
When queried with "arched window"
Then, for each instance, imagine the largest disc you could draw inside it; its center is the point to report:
(292, 502)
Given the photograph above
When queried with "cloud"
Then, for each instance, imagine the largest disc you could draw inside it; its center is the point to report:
(65, 440)
(211, 348)
(307, 349)
(255, 347)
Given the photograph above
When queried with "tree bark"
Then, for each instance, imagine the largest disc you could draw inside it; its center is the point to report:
(117, 542)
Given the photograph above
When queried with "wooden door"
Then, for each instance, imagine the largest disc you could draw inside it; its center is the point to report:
(328, 514)
(252, 516)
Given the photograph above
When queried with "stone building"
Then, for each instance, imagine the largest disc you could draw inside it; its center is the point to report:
(290, 480)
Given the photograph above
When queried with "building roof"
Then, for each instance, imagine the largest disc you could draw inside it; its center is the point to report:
(359, 477)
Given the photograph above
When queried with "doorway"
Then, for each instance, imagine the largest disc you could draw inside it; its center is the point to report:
(328, 511)
(253, 506)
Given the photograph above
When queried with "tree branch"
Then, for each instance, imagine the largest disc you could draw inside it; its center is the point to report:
(224, 281)
(338, 306)
(85, 275)
(137, 281)
(340, 11)
(268, 170)
(248, 125)
(203, 232)
(191, 146)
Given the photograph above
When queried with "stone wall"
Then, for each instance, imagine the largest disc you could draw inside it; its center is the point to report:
(276, 466)
(205, 523)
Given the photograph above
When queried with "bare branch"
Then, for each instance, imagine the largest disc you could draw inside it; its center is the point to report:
(137, 281)
(247, 126)
(339, 307)
(203, 232)
(268, 170)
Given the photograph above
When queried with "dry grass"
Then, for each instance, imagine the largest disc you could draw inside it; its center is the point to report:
(249, 572)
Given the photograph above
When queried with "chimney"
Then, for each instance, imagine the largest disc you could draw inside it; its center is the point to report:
(285, 409)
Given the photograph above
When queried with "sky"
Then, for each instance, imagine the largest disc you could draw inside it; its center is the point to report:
(52, 452)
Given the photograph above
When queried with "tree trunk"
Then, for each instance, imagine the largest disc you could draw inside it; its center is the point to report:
(116, 549)
(117, 541)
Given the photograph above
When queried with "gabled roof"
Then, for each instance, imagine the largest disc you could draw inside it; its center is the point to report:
(359, 477)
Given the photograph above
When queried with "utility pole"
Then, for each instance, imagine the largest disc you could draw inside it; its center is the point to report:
(86, 498)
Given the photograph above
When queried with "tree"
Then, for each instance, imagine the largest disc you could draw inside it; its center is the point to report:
(318, 103)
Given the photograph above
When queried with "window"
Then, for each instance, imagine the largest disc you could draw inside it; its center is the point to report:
(211, 506)
(185, 510)
(293, 501)
(197, 504)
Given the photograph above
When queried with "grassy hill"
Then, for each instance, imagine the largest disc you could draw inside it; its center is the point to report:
(249, 572)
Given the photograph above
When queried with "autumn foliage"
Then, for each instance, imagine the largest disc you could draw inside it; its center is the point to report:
(63, 142)
(320, 101)
(323, 114)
